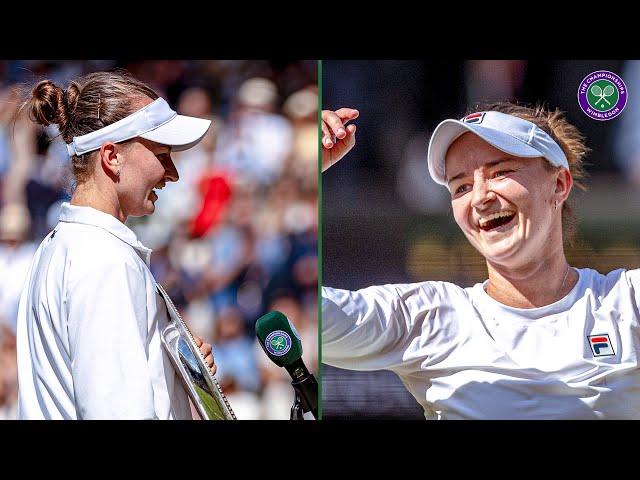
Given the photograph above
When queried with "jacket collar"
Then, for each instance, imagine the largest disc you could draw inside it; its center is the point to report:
(90, 216)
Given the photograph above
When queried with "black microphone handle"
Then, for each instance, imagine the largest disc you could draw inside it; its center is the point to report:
(305, 384)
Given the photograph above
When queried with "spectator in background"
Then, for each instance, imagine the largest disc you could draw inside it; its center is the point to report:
(8, 103)
(239, 378)
(232, 247)
(233, 345)
(20, 137)
(257, 140)
(302, 109)
(16, 253)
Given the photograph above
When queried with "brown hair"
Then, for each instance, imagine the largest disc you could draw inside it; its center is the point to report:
(567, 136)
(89, 103)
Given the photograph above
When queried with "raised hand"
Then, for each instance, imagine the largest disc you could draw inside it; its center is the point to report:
(337, 137)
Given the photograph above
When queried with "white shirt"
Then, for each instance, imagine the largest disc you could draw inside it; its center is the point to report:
(463, 355)
(89, 323)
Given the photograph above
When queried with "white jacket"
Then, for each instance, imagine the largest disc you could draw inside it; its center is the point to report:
(89, 323)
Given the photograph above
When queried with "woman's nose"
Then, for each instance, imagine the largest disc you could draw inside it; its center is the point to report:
(481, 194)
(171, 172)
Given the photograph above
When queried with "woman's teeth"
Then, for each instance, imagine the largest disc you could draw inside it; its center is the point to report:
(495, 220)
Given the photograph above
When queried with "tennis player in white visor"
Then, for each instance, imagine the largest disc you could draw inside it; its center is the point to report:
(538, 339)
(90, 318)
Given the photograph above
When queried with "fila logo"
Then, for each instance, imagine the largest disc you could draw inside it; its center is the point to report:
(474, 118)
(601, 345)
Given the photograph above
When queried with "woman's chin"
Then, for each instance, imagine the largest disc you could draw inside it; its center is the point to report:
(500, 251)
(147, 208)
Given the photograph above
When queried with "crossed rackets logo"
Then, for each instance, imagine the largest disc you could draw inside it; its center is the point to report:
(602, 95)
(278, 343)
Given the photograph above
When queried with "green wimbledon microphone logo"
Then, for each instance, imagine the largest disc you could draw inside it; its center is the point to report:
(278, 343)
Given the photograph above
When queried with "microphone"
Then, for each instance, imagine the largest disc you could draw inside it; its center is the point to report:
(281, 342)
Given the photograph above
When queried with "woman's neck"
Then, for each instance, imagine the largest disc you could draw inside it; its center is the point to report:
(89, 195)
(535, 284)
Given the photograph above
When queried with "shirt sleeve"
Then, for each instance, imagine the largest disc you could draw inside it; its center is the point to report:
(374, 328)
(633, 280)
(107, 327)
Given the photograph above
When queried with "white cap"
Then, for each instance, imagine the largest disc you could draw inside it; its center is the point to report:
(155, 121)
(512, 135)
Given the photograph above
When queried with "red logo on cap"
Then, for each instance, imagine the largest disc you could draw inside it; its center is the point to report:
(474, 118)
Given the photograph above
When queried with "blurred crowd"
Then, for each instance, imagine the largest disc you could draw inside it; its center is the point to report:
(235, 238)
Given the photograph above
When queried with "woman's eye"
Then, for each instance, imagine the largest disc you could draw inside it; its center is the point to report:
(502, 173)
(463, 188)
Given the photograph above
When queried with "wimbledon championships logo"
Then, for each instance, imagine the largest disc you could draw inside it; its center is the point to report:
(278, 343)
(602, 95)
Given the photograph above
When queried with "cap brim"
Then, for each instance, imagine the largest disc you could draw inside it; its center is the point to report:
(449, 130)
(180, 133)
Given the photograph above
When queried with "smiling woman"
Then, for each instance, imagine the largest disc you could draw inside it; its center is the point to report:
(90, 319)
(508, 178)
(538, 339)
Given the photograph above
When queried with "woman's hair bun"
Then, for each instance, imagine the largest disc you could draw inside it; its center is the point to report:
(48, 105)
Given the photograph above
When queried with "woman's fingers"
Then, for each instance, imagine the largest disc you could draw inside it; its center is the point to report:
(347, 143)
(209, 361)
(344, 145)
(205, 348)
(331, 155)
(337, 137)
(351, 129)
(334, 123)
(347, 114)
(327, 140)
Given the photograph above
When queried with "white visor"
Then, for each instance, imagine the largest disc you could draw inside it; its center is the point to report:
(507, 133)
(155, 122)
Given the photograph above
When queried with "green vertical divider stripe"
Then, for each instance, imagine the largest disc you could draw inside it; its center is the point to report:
(319, 239)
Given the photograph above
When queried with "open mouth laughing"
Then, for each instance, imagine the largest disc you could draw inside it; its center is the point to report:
(495, 220)
(153, 195)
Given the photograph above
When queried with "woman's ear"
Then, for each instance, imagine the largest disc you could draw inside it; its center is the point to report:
(109, 160)
(564, 183)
